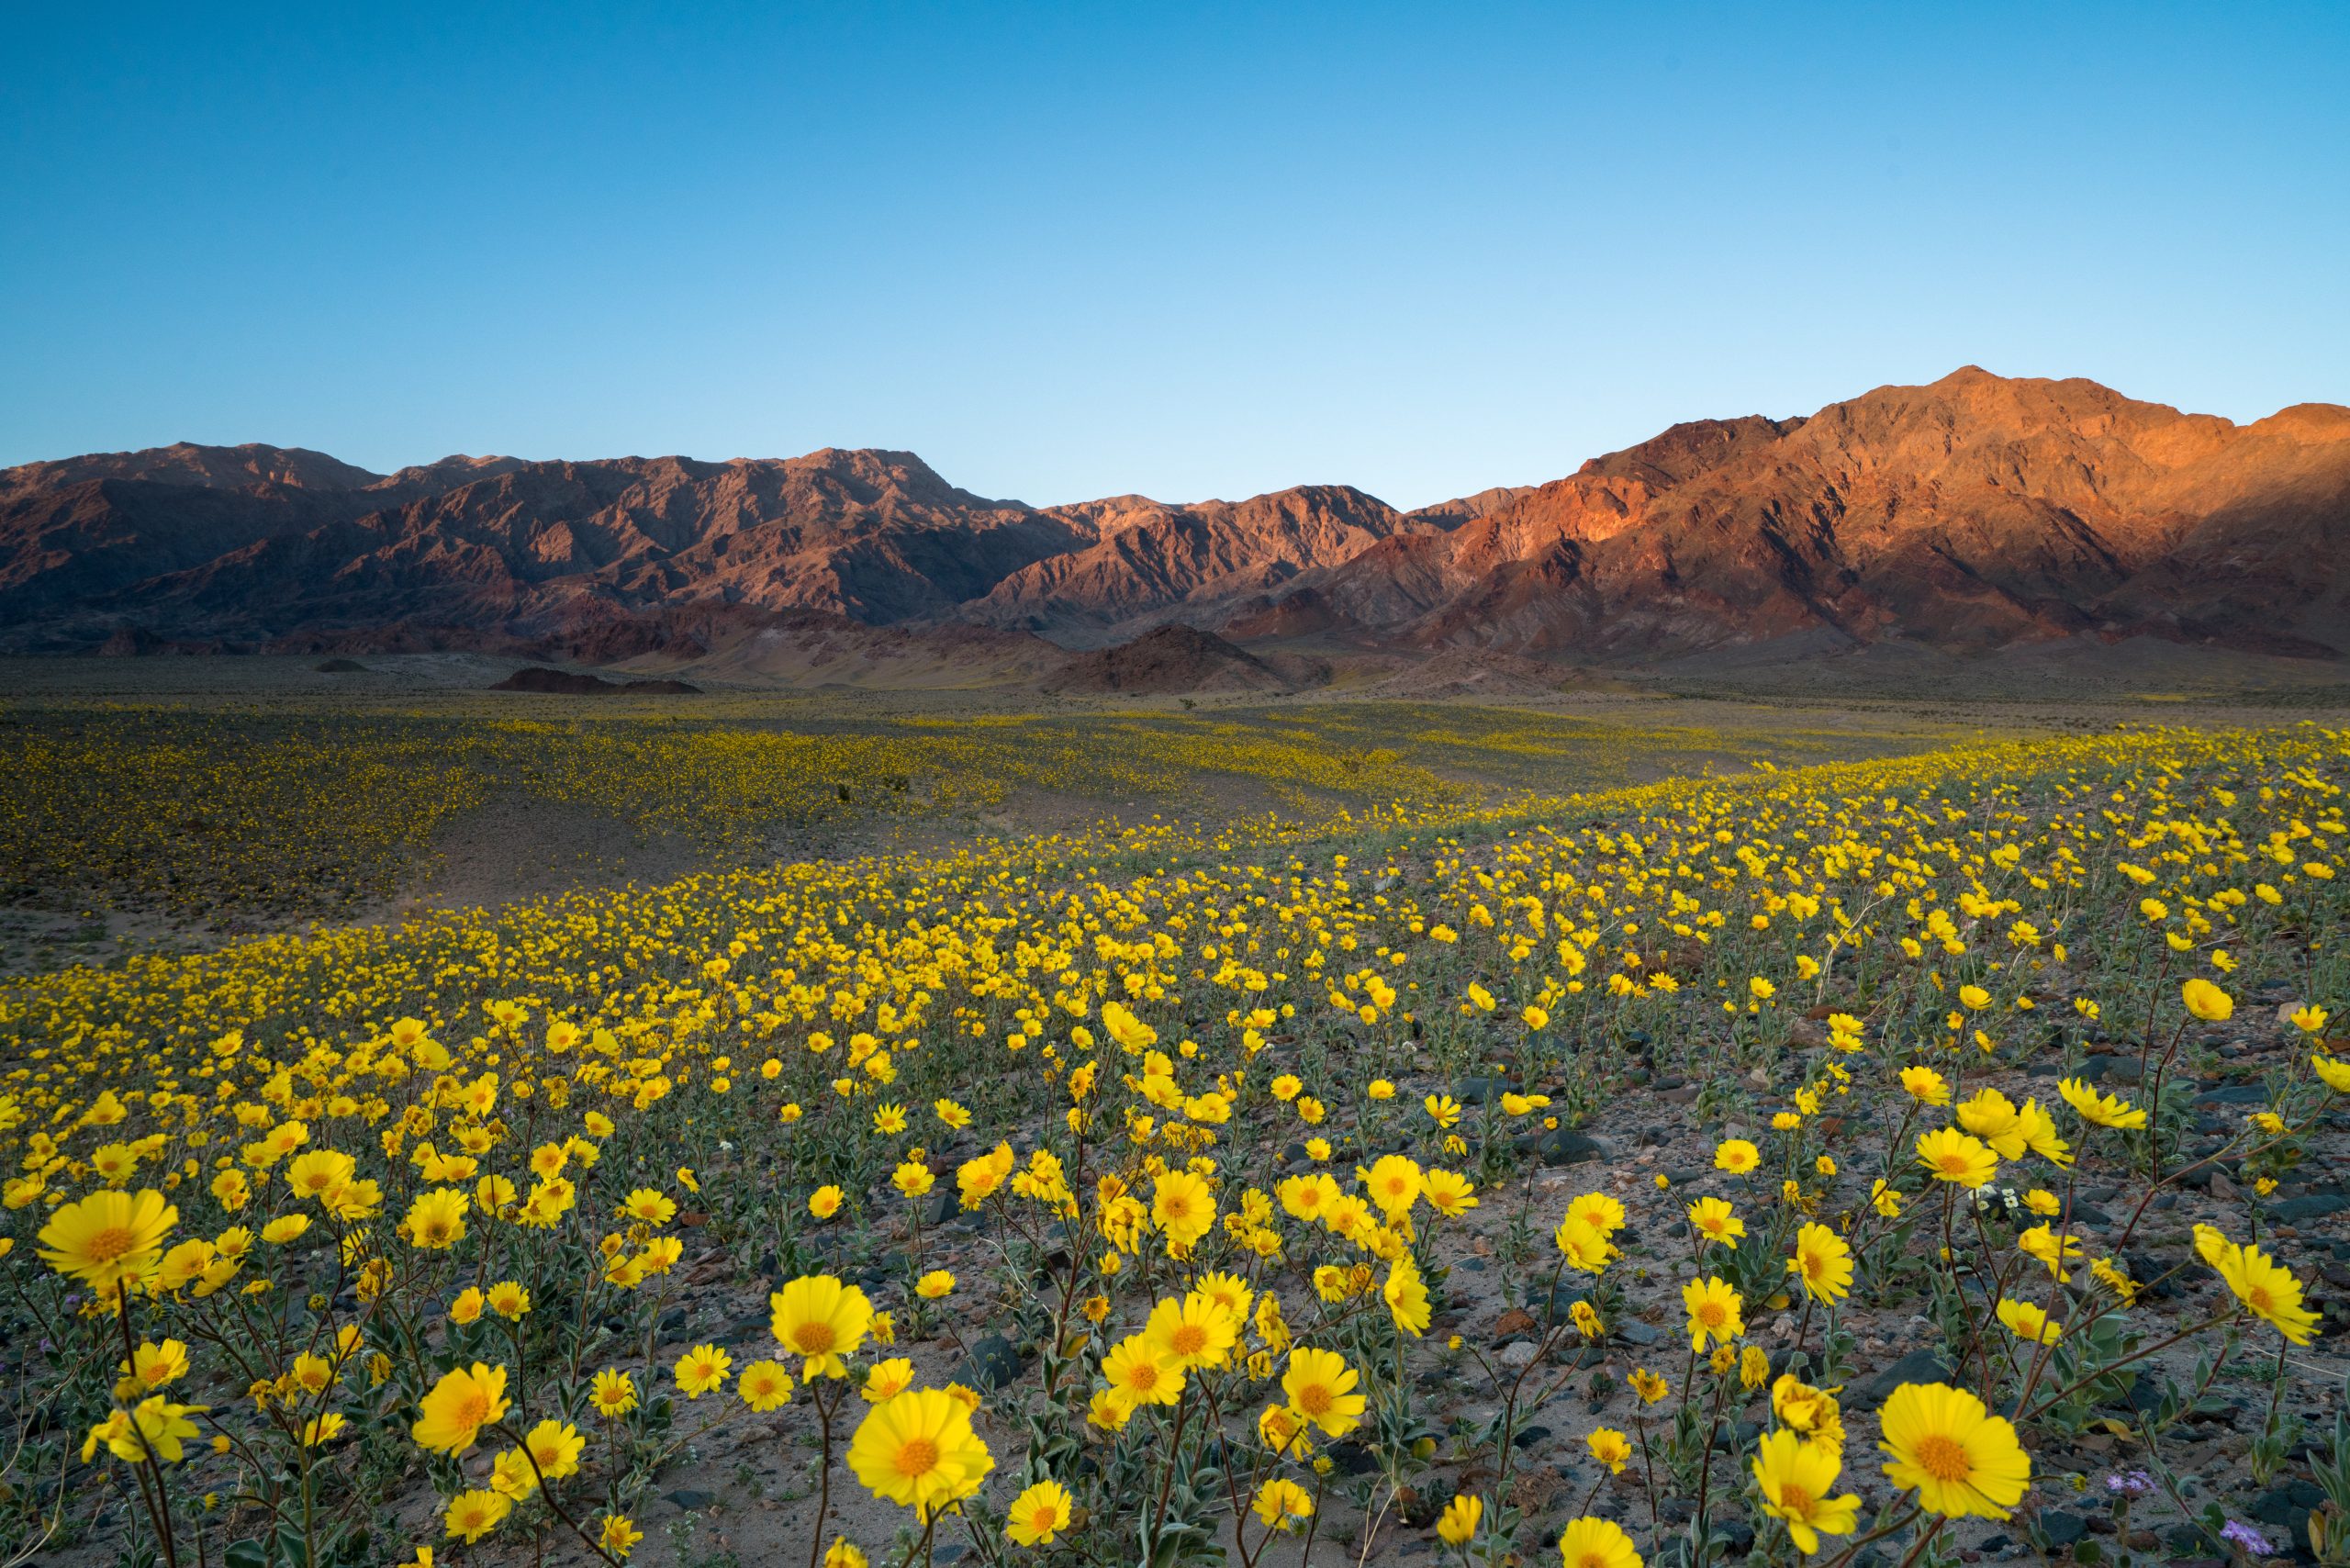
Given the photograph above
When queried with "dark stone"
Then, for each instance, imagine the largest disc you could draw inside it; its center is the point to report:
(1562, 1145)
(2059, 1529)
(1919, 1366)
(1352, 1458)
(1530, 1437)
(2287, 1505)
(1477, 1090)
(1632, 1331)
(995, 1362)
(2293, 1211)
(2234, 1095)
(692, 1502)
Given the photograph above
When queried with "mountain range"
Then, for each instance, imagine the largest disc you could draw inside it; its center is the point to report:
(1974, 513)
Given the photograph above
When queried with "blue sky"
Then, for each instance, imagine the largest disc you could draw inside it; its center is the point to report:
(1070, 251)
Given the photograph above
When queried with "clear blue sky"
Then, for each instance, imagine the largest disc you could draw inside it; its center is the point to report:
(1069, 251)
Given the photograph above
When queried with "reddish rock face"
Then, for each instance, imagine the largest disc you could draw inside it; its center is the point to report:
(1971, 513)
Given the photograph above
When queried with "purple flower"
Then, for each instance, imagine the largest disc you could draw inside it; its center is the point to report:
(2136, 1484)
(2244, 1535)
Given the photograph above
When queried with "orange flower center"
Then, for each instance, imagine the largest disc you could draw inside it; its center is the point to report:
(1143, 1376)
(1943, 1457)
(1710, 1314)
(917, 1456)
(814, 1339)
(2260, 1298)
(471, 1409)
(1189, 1340)
(1314, 1399)
(1795, 1499)
(105, 1246)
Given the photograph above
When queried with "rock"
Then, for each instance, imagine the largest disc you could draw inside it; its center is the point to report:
(690, 1501)
(995, 1362)
(1477, 1090)
(1564, 1146)
(2293, 1211)
(1518, 1353)
(2060, 1529)
(1919, 1366)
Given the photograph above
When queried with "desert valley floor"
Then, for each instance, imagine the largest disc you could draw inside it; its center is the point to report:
(1894, 1114)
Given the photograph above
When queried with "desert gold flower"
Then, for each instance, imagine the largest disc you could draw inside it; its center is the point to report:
(458, 1406)
(1823, 1261)
(1448, 1193)
(1961, 1460)
(1715, 1313)
(1407, 1297)
(1182, 1208)
(1590, 1543)
(1321, 1388)
(1282, 1503)
(554, 1446)
(474, 1513)
(436, 1221)
(1140, 1374)
(1794, 1478)
(614, 1392)
(821, 1320)
(1191, 1331)
(918, 1450)
(2206, 1000)
(702, 1369)
(2099, 1110)
(1952, 1156)
(1716, 1223)
(108, 1237)
(1039, 1514)
(765, 1385)
(2271, 1292)
(2026, 1321)
(1457, 1526)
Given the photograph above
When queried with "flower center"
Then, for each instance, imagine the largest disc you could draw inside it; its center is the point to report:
(1189, 1340)
(814, 1339)
(1795, 1499)
(1143, 1376)
(472, 1409)
(1943, 1457)
(917, 1456)
(1314, 1399)
(109, 1244)
(1710, 1315)
(2260, 1299)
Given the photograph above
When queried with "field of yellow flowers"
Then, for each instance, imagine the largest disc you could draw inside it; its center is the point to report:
(1908, 1160)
